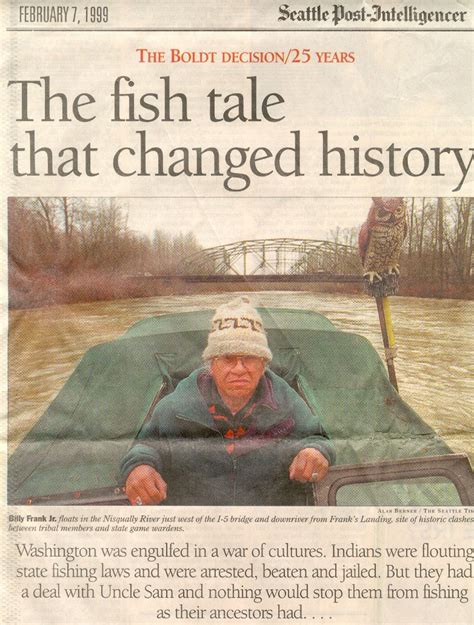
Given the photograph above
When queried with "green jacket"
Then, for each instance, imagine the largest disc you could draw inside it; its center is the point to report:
(182, 443)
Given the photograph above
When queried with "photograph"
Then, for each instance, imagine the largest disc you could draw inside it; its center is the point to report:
(208, 355)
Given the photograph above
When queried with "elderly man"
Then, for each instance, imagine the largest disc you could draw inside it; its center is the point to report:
(233, 432)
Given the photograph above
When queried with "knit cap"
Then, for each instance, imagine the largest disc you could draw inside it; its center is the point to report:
(237, 328)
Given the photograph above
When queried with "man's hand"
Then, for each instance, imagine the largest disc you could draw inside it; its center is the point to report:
(306, 463)
(145, 486)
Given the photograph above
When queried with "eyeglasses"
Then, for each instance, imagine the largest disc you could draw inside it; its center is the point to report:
(249, 362)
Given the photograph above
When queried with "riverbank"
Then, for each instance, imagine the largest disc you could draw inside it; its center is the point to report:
(49, 289)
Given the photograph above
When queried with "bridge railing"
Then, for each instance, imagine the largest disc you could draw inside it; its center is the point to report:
(280, 257)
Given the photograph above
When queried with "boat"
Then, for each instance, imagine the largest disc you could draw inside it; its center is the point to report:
(386, 454)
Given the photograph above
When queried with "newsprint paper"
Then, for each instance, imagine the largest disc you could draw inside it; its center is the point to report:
(162, 158)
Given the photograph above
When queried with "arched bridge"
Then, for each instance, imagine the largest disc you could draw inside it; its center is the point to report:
(267, 259)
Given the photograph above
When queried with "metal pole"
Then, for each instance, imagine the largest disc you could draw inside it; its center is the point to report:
(388, 336)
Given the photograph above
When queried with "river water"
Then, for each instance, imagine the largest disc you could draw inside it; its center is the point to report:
(434, 364)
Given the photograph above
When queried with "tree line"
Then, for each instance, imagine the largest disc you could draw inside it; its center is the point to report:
(440, 239)
(70, 234)
(77, 249)
(74, 249)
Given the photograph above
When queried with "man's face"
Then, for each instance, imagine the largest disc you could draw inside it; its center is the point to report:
(237, 376)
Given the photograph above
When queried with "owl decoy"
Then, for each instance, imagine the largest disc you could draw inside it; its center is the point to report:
(381, 237)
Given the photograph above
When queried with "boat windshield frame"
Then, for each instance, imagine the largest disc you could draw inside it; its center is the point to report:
(454, 467)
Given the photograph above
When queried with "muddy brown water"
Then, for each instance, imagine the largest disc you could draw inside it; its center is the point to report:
(434, 363)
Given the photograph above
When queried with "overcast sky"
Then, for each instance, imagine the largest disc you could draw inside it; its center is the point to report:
(218, 221)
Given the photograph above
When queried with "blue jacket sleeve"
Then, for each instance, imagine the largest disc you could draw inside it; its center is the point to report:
(309, 432)
(150, 446)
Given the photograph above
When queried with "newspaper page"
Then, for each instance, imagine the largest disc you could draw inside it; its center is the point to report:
(162, 160)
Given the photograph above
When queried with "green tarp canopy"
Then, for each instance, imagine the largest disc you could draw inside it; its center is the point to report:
(80, 440)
